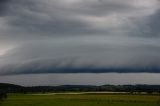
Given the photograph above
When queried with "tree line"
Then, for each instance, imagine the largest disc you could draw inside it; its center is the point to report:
(149, 89)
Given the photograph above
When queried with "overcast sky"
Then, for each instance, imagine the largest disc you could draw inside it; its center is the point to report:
(50, 36)
(82, 79)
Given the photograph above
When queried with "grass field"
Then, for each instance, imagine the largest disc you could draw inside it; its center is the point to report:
(81, 100)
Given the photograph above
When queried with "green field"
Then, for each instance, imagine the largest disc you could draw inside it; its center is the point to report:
(81, 100)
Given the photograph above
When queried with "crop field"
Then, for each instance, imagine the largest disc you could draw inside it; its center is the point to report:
(81, 100)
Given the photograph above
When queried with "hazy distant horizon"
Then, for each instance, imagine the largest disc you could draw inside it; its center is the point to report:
(82, 79)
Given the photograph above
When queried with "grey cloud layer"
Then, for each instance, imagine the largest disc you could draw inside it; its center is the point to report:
(55, 18)
(154, 25)
(3, 4)
(38, 36)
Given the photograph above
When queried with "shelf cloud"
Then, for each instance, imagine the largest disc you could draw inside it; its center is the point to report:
(79, 36)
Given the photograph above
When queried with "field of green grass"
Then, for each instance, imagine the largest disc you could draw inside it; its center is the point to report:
(81, 100)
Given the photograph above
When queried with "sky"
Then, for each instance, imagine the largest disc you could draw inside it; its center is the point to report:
(79, 36)
(57, 79)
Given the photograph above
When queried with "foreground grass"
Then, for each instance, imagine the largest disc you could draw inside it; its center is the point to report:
(82, 100)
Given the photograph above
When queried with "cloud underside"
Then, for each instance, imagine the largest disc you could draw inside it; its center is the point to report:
(64, 36)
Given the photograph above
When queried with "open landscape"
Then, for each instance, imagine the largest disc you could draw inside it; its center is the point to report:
(81, 100)
(79, 52)
(80, 95)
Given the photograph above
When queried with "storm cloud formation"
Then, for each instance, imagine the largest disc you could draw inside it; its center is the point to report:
(61, 36)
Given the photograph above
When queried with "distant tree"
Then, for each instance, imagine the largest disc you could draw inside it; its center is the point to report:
(3, 96)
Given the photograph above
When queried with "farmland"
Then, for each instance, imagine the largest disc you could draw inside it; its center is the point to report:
(98, 99)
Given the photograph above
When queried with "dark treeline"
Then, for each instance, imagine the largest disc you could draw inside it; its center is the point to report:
(10, 88)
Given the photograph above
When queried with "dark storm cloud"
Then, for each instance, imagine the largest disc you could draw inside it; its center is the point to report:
(3, 6)
(55, 18)
(154, 24)
(149, 27)
(50, 36)
(64, 57)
